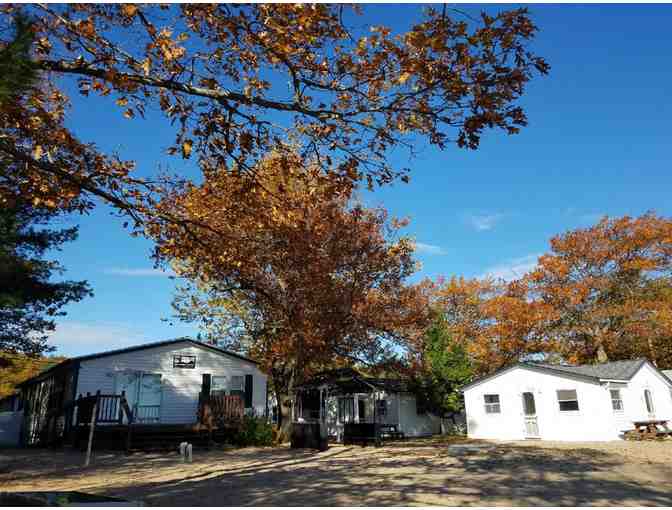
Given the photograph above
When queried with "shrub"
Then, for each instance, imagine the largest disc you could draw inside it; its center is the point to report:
(254, 431)
(456, 429)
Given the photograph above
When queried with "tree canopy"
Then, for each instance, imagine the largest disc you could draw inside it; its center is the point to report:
(238, 81)
(603, 292)
(322, 280)
(443, 367)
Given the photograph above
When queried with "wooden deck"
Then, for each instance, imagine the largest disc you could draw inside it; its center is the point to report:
(151, 436)
(113, 425)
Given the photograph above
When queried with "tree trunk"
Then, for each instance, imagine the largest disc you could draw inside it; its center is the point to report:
(283, 382)
(284, 417)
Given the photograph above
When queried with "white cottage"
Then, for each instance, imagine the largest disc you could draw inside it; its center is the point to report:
(566, 403)
(162, 382)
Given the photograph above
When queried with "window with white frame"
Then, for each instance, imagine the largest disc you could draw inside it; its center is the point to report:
(492, 405)
(616, 400)
(228, 385)
(567, 400)
(219, 385)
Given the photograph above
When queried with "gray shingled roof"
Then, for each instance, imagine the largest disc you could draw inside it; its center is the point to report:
(133, 348)
(614, 370)
(618, 370)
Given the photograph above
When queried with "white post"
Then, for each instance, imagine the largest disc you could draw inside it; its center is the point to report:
(183, 451)
(189, 453)
(92, 425)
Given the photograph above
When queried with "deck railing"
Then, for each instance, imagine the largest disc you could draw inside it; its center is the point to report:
(147, 414)
(109, 409)
(220, 410)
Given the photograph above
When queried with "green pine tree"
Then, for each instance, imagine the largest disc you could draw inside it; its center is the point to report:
(29, 297)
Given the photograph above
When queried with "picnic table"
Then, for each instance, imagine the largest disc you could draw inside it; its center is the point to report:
(648, 429)
(390, 432)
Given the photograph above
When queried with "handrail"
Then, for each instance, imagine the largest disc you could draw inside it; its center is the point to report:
(110, 408)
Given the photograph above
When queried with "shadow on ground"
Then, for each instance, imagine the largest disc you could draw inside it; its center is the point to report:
(399, 475)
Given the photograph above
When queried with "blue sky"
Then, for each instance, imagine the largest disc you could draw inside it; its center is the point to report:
(598, 143)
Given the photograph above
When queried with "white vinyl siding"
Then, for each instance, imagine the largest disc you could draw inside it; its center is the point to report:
(180, 387)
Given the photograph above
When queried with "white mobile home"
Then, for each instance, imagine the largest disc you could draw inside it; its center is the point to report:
(161, 381)
(566, 403)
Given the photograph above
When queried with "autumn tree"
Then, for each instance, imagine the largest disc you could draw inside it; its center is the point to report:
(610, 287)
(219, 74)
(307, 282)
(16, 368)
(493, 320)
(601, 293)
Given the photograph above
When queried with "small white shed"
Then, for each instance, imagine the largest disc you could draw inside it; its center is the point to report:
(566, 403)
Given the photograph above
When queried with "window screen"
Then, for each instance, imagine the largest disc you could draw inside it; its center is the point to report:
(237, 386)
(567, 400)
(492, 405)
(381, 408)
(616, 400)
(218, 385)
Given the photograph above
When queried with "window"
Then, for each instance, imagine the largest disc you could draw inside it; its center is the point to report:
(649, 401)
(218, 385)
(184, 361)
(492, 404)
(381, 408)
(616, 400)
(568, 400)
(225, 385)
(346, 410)
(237, 386)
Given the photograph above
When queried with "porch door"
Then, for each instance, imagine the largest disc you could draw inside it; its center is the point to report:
(143, 394)
(149, 398)
(530, 416)
(129, 383)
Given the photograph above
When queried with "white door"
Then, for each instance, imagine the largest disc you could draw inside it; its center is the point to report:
(149, 399)
(530, 416)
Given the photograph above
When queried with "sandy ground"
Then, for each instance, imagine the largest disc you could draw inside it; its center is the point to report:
(422, 472)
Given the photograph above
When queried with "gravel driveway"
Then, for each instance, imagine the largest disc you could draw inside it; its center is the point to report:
(422, 472)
